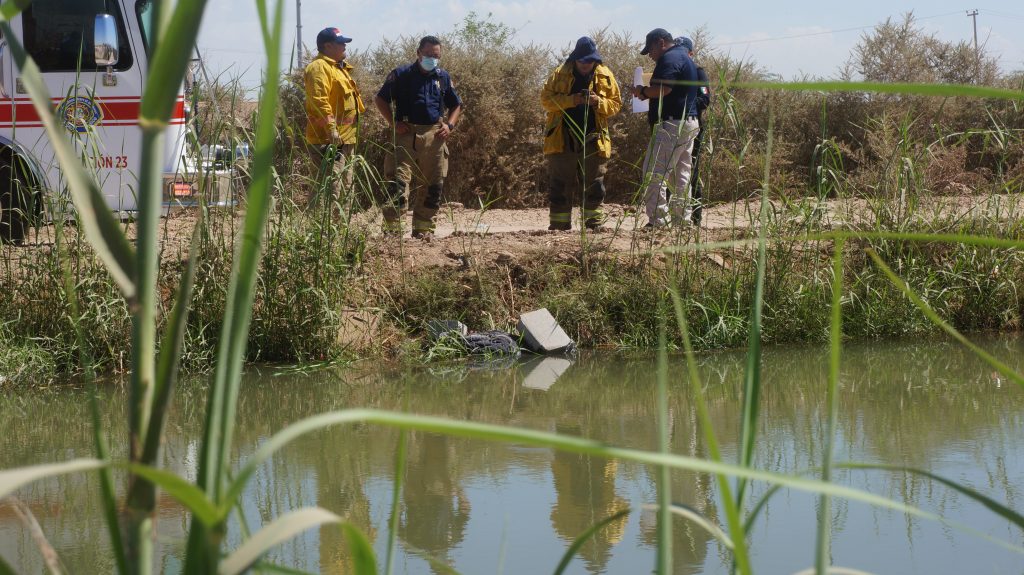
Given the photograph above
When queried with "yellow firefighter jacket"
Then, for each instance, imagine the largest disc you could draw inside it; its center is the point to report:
(331, 94)
(556, 99)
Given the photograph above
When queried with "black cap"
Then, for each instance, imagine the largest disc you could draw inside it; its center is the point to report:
(653, 36)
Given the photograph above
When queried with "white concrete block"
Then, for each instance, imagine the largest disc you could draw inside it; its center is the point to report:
(541, 332)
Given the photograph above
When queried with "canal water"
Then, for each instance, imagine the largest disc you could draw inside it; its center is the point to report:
(483, 507)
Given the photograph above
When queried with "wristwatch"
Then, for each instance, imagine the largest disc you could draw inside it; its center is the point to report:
(451, 126)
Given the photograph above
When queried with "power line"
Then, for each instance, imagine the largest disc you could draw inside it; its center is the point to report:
(825, 32)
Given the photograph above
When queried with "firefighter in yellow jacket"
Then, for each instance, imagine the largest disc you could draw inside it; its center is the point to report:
(333, 109)
(579, 97)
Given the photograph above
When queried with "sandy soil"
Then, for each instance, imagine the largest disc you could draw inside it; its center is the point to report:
(504, 236)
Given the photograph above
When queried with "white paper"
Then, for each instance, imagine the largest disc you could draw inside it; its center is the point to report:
(639, 106)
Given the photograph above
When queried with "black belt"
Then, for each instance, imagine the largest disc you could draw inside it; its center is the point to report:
(676, 119)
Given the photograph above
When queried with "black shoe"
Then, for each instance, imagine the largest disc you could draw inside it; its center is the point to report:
(559, 227)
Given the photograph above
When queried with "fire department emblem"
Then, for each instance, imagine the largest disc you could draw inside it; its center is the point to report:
(78, 113)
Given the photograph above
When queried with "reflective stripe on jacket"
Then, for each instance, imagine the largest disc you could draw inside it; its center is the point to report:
(556, 99)
(331, 91)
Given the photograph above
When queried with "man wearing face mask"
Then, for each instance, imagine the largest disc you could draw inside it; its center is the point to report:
(333, 106)
(414, 100)
(579, 97)
(673, 119)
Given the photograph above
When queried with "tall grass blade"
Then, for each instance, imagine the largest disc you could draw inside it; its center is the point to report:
(939, 90)
(13, 479)
(755, 511)
(999, 366)
(238, 311)
(396, 493)
(184, 492)
(737, 530)
(985, 241)
(835, 571)
(170, 61)
(695, 517)
(169, 360)
(74, 311)
(586, 536)
(203, 551)
(6, 569)
(966, 239)
(265, 567)
(664, 551)
(92, 213)
(489, 432)
(363, 560)
(107, 492)
(752, 374)
(276, 532)
(437, 566)
(992, 505)
(822, 555)
(12, 8)
(46, 550)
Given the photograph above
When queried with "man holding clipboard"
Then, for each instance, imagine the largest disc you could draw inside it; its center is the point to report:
(672, 114)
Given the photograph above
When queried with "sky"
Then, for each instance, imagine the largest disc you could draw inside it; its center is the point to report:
(789, 38)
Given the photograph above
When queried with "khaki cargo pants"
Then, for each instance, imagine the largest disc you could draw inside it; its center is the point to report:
(419, 165)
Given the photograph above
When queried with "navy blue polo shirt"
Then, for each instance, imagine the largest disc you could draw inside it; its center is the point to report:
(674, 65)
(420, 98)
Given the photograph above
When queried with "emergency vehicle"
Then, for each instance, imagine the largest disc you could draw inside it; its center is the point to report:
(93, 56)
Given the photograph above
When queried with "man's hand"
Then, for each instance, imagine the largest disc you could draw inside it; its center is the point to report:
(443, 131)
(335, 136)
(402, 128)
(594, 100)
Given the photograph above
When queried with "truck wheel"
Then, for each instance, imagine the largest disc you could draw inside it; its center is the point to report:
(19, 206)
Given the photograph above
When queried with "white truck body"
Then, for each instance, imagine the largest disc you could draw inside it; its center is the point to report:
(98, 105)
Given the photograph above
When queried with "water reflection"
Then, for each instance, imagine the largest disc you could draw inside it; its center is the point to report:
(585, 495)
(468, 503)
(435, 508)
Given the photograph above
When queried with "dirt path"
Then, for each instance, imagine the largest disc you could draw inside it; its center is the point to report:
(500, 234)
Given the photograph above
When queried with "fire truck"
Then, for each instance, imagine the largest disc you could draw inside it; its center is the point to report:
(93, 56)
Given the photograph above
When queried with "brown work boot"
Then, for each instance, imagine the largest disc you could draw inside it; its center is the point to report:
(423, 235)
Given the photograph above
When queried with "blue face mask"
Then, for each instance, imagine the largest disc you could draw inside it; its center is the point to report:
(428, 64)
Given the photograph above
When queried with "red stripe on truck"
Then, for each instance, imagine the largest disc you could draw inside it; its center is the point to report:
(22, 113)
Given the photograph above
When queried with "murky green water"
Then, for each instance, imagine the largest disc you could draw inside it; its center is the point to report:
(490, 508)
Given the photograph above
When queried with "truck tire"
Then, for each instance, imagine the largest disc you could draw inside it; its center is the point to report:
(19, 203)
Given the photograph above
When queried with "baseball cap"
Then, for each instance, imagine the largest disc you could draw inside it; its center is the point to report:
(652, 37)
(329, 36)
(685, 43)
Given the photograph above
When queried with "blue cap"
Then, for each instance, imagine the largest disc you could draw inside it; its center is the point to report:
(685, 43)
(585, 51)
(330, 36)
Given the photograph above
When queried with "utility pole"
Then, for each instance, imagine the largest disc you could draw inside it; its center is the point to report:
(298, 34)
(974, 17)
(977, 57)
